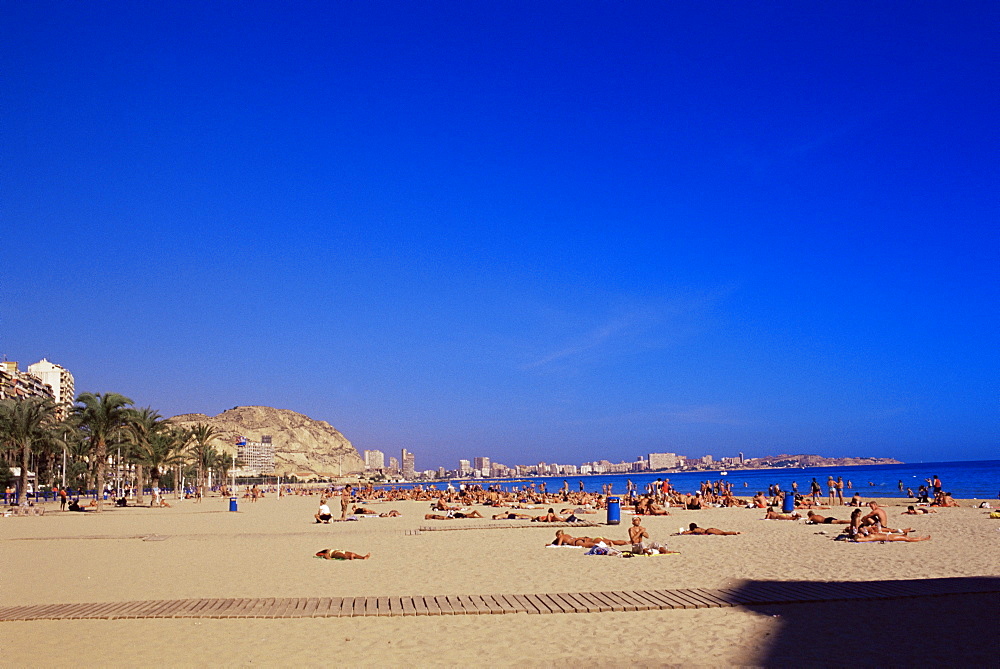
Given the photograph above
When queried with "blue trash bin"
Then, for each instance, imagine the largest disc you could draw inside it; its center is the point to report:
(788, 503)
(232, 504)
(614, 511)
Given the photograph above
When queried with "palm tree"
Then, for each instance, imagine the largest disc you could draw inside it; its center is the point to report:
(102, 418)
(163, 449)
(26, 424)
(202, 452)
(142, 425)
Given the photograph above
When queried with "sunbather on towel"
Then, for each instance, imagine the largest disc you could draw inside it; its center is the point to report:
(452, 515)
(549, 517)
(694, 529)
(816, 519)
(335, 554)
(563, 539)
(773, 515)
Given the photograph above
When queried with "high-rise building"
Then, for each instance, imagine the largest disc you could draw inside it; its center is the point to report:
(464, 467)
(662, 460)
(61, 382)
(374, 460)
(393, 465)
(408, 461)
(482, 465)
(257, 456)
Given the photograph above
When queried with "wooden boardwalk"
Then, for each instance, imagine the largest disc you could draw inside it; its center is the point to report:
(750, 593)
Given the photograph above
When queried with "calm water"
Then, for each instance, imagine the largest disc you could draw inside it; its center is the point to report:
(969, 480)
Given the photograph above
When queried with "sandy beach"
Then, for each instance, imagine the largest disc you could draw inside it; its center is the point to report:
(266, 550)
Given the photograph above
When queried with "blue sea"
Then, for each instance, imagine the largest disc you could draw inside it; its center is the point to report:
(979, 479)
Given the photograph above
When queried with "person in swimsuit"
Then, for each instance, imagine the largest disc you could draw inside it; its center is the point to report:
(549, 517)
(816, 519)
(563, 539)
(911, 511)
(774, 515)
(641, 543)
(335, 554)
(694, 529)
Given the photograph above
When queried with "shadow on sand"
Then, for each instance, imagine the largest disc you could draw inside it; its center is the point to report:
(951, 622)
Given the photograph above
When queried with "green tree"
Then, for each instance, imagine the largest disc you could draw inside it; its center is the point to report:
(163, 449)
(142, 425)
(27, 424)
(202, 453)
(103, 419)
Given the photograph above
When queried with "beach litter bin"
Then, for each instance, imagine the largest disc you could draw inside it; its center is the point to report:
(788, 503)
(614, 511)
(232, 504)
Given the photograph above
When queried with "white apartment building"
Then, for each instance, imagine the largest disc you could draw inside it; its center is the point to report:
(257, 456)
(662, 460)
(61, 382)
(374, 460)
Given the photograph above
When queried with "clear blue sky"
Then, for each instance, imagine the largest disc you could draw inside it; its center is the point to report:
(553, 231)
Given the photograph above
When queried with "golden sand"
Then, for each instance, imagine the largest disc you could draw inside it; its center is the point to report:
(266, 550)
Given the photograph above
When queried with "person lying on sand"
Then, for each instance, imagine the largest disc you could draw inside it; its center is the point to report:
(641, 543)
(563, 539)
(694, 529)
(334, 554)
(912, 511)
(774, 515)
(549, 517)
(513, 515)
(364, 511)
(391, 513)
(452, 515)
(878, 536)
(816, 519)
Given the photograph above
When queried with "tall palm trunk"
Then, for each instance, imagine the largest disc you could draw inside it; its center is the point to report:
(101, 456)
(138, 484)
(22, 488)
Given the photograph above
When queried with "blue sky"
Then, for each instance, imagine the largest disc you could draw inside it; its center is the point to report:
(531, 231)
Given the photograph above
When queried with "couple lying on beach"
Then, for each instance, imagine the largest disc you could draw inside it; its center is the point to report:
(638, 538)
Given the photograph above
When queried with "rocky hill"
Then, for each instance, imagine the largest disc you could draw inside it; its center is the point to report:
(302, 446)
(785, 460)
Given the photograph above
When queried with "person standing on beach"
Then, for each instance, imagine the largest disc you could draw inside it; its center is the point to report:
(814, 489)
(937, 485)
(840, 490)
(345, 501)
(831, 487)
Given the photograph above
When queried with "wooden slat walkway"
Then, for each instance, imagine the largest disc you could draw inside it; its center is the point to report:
(750, 593)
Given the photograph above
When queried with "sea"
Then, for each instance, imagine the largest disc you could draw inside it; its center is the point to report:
(977, 479)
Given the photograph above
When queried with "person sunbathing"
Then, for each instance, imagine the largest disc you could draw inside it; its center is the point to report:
(816, 519)
(694, 529)
(549, 517)
(912, 511)
(453, 515)
(881, 536)
(364, 511)
(442, 506)
(334, 554)
(654, 509)
(773, 515)
(563, 539)
(391, 513)
(512, 515)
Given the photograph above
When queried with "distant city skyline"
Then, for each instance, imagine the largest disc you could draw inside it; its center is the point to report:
(517, 232)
